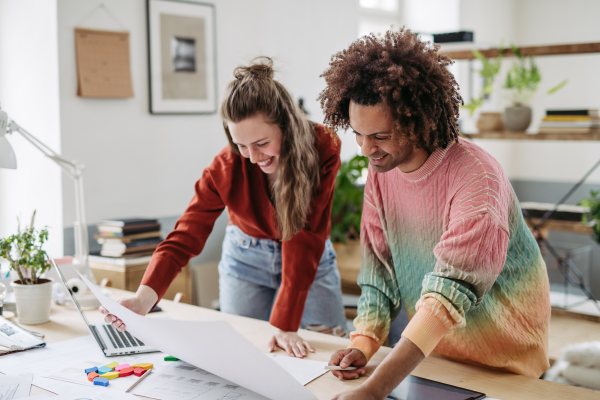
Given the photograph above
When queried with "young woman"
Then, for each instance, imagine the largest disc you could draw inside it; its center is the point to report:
(276, 179)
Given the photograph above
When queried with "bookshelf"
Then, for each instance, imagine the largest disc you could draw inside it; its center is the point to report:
(594, 135)
(552, 50)
(548, 50)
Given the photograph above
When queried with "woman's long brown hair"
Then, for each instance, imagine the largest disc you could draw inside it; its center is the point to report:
(254, 91)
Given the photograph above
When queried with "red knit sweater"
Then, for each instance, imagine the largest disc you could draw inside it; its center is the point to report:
(232, 181)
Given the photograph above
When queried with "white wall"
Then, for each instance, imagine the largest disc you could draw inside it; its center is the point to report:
(540, 22)
(140, 164)
(29, 93)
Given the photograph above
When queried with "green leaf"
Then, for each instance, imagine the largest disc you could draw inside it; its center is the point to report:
(557, 87)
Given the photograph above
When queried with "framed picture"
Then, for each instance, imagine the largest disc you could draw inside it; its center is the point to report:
(181, 57)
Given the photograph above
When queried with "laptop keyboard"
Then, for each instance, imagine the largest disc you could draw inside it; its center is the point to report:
(121, 339)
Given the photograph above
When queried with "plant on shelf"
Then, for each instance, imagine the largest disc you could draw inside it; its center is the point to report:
(348, 200)
(24, 252)
(489, 70)
(487, 121)
(593, 203)
(522, 82)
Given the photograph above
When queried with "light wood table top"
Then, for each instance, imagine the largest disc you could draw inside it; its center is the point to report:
(67, 324)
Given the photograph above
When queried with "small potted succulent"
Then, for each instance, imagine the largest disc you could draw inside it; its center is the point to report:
(522, 81)
(33, 294)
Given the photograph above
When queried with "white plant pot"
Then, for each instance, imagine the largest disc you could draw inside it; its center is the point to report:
(33, 302)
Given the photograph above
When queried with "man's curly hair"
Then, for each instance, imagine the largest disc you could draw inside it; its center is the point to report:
(399, 70)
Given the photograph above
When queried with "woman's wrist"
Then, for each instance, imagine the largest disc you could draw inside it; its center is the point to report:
(147, 296)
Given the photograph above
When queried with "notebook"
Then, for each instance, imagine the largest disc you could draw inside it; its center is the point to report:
(13, 338)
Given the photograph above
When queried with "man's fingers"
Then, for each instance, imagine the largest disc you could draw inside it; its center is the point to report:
(347, 360)
(349, 375)
(337, 357)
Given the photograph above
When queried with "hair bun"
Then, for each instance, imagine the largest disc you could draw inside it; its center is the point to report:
(260, 68)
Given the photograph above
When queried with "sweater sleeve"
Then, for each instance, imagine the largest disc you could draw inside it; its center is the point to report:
(469, 257)
(379, 301)
(190, 233)
(302, 253)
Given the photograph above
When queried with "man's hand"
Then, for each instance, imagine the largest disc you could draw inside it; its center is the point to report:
(356, 394)
(349, 358)
(141, 303)
(291, 342)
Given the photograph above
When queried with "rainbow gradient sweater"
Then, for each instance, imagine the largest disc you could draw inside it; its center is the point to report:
(450, 243)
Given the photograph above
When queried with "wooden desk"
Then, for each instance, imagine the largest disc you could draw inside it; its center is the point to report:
(67, 324)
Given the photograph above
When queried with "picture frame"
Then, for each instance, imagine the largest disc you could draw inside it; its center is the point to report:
(182, 70)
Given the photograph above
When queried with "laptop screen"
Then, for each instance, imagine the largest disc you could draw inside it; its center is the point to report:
(69, 291)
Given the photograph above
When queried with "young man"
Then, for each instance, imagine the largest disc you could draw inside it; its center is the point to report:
(442, 231)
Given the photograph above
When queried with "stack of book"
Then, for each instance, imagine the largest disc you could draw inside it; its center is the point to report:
(570, 121)
(128, 237)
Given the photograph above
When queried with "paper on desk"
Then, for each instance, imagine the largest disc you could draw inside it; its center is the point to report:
(58, 355)
(304, 371)
(15, 386)
(190, 383)
(96, 393)
(213, 346)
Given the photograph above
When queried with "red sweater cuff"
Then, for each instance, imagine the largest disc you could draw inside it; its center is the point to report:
(160, 273)
(288, 309)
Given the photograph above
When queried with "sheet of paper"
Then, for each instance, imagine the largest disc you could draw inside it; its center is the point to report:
(212, 346)
(304, 371)
(61, 355)
(96, 393)
(15, 386)
(183, 381)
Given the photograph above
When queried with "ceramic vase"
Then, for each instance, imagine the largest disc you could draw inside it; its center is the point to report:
(33, 301)
(517, 118)
(490, 122)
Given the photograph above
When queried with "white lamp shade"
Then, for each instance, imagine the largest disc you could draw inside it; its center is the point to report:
(7, 154)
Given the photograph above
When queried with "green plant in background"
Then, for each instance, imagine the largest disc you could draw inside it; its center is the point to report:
(524, 78)
(348, 200)
(24, 253)
(593, 202)
(489, 70)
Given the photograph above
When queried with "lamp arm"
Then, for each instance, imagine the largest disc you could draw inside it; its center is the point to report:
(75, 170)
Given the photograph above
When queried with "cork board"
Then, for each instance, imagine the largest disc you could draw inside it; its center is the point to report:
(103, 66)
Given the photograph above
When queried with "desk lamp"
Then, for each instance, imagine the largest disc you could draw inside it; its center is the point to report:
(75, 170)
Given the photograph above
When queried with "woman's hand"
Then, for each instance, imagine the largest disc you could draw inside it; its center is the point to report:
(291, 342)
(141, 303)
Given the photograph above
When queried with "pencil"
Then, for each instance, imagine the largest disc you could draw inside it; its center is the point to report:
(139, 380)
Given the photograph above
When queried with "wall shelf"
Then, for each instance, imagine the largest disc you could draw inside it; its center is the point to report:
(554, 50)
(508, 135)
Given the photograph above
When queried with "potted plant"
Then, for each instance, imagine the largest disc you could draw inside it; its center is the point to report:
(346, 212)
(593, 203)
(522, 81)
(487, 121)
(33, 294)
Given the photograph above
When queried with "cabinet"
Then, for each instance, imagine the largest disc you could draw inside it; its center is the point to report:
(129, 277)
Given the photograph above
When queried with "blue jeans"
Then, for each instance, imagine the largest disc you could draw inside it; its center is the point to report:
(250, 278)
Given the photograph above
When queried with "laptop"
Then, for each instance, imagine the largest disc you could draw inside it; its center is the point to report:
(111, 341)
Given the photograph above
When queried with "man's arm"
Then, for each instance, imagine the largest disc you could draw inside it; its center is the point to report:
(395, 367)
